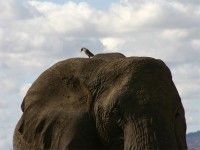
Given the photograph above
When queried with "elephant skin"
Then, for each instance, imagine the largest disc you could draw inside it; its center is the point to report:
(106, 102)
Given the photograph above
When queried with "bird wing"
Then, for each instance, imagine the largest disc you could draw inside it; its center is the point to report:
(89, 53)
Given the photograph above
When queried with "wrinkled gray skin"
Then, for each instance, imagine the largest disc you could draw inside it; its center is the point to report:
(106, 102)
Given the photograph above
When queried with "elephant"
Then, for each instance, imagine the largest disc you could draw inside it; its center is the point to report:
(106, 102)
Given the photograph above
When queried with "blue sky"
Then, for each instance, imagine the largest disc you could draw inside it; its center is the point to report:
(36, 34)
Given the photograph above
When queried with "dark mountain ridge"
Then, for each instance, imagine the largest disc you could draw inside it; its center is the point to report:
(193, 140)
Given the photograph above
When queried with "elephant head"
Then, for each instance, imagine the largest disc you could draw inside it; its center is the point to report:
(107, 102)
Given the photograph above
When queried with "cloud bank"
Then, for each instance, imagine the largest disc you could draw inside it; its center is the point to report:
(36, 34)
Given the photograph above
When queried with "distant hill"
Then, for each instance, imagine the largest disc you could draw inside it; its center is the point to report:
(193, 140)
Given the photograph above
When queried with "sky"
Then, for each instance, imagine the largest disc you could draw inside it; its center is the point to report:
(36, 34)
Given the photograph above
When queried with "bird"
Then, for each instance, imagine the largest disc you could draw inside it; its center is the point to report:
(87, 52)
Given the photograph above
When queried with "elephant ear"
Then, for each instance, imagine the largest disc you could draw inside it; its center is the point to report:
(55, 111)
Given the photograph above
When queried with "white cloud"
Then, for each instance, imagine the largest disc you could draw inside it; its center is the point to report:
(174, 34)
(112, 43)
(24, 89)
(34, 35)
(127, 18)
(68, 18)
(196, 44)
